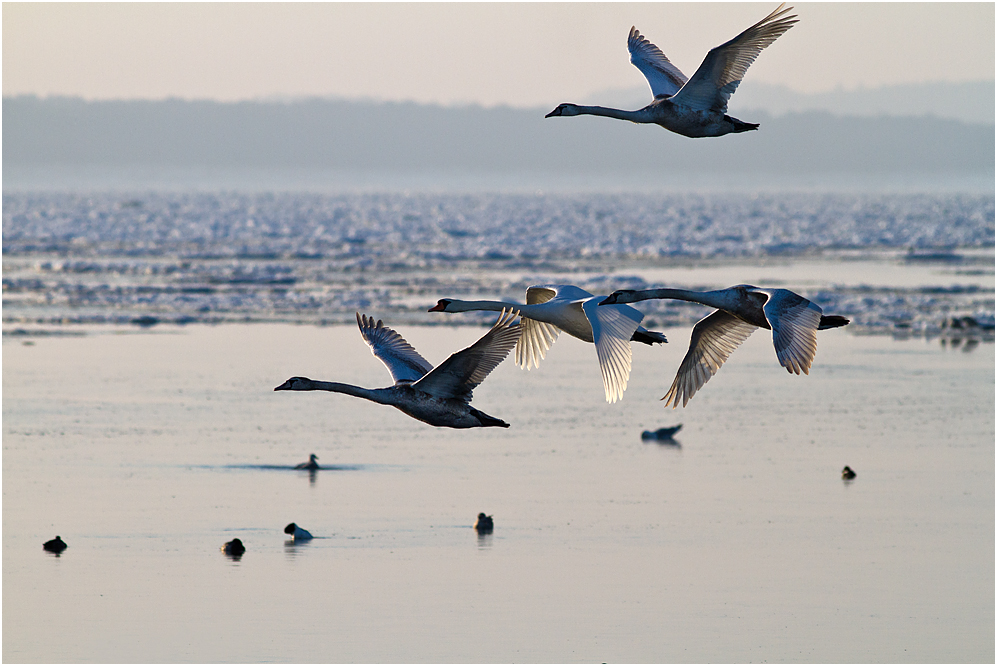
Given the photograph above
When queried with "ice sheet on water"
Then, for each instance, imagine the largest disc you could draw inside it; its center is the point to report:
(313, 257)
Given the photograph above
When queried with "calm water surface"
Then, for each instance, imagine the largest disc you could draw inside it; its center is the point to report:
(741, 542)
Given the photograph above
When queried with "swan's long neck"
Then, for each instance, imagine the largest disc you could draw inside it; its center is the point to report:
(491, 306)
(619, 114)
(374, 395)
(721, 299)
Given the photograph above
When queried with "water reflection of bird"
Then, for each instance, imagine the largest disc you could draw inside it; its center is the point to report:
(440, 396)
(695, 107)
(484, 524)
(661, 434)
(297, 533)
(234, 548)
(552, 308)
(848, 473)
(311, 464)
(794, 322)
(56, 545)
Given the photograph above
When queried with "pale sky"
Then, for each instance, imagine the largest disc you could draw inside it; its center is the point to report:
(517, 54)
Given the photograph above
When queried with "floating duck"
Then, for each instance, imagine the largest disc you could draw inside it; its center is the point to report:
(311, 464)
(848, 473)
(297, 533)
(484, 525)
(234, 548)
(56, 545)
(661, 433)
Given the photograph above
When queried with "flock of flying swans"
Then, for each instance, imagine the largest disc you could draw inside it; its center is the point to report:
(693, 107)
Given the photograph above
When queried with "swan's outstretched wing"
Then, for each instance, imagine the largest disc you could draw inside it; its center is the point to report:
(457, 376)
(402, 361)
(612, 327)
(663, 77)
(714, 338)
(724, 66)
(537, 336)
(794, 321)
(562, 292)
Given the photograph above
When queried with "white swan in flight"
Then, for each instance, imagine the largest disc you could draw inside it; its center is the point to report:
(440, 396)
(695, 107)
(794, 322)
(553, 308)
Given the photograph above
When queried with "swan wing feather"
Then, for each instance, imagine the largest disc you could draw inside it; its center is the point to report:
(547, 292)
(612, 328)
(724, 66)
(458, 376)
(714, 338)
(534, 342)
(664, 78)
(794, 321)
(538, 336)
(398, 356)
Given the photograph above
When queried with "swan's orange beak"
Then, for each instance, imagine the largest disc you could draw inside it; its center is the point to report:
(439, 307)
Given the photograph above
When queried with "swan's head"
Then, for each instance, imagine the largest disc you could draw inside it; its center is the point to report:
(847, 473)
(312, 458)
(563, 110)
(296, 384)
(290, 528)
(619, 296)
(441, 305)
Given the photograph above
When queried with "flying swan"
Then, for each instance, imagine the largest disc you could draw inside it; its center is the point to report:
(440, 396)
(695, 107)
(794, 322)
(552, 308)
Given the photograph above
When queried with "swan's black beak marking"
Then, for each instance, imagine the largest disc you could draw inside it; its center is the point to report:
(286, 386)
(440, 307)
(609, 300)
(555, 112)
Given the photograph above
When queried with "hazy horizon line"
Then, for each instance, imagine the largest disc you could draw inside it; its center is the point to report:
(290, 99)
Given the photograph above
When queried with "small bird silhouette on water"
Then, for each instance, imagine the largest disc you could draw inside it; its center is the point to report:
(661, 434)
(234, 548)
(56, 545)
(848, 473)
(484, 525)
(311, 464)
(297, 533)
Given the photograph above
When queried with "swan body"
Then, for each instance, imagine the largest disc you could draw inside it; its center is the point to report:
(848, 473)
(56, 545)
(440, 396)
(297, 533)
(311, 464)
(793, 320)
(693, 107)
(553, 308)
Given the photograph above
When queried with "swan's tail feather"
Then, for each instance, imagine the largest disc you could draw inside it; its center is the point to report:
(740, 125)
(648, 337)
(832, 321)
(487, 421)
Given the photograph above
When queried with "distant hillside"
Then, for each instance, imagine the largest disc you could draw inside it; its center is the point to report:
(971, 102)
(73, 134)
